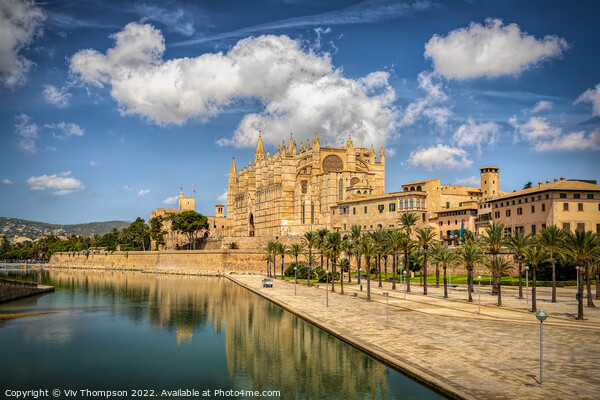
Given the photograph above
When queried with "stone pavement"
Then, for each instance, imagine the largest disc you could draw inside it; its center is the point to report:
(445, 342)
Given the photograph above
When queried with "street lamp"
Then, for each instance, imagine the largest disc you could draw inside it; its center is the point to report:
(295, 279)
(527, 282)
(405, 278)
(541, 315)
(479, 306)
(387, 306)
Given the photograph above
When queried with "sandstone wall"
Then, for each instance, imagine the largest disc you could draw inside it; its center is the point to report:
(183, 261)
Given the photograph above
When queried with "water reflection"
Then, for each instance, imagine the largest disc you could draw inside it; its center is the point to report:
(265, 347)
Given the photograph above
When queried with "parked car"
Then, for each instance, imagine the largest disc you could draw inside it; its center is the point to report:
(267, 282)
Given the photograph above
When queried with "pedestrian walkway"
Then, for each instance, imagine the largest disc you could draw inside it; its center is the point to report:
(492, 355)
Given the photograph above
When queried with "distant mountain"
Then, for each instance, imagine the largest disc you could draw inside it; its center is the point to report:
(10, 227)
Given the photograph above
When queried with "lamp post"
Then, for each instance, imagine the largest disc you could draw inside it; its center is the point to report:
(577, 295)
(541, 315)
(387, 306)
(527, 282)
(327, 287)
(295, 279)
(479, 305)
(405, 278)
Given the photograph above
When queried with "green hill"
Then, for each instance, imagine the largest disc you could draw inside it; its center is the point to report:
(10, 227)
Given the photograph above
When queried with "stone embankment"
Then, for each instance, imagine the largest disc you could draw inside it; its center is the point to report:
(191, 262)
(13, 290)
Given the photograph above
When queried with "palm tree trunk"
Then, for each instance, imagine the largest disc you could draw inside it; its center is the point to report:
(579, 296)
(368, 260)
(533, 305)
(342, 279)
(425, 273)
(349, 270)
(597, 283)
(437, 275)
(282, 267)
(520, 281)
(407, 271)
(588, 287)
(332, 273)
(553, 281)
(470, 283)
(358, 257)
(499, 292)
(445, 284)
(379, 268)
(394, 273)
(309, 265)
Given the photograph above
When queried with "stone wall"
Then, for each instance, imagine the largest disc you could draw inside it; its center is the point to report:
(12, 290)
(182, 261)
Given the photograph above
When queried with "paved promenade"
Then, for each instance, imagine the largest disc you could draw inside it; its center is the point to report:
(492, 355)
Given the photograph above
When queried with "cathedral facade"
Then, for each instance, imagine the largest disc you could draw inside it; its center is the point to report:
(295, 189)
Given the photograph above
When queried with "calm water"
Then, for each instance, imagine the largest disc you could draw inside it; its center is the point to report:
(129, 331)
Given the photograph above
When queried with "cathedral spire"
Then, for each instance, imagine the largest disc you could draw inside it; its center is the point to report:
(233, 170)
(260, 151)
(381, 155)
(350, 145)
(316, 141)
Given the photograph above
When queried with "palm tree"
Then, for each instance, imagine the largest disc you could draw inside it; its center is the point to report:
(310, 239)
(295, 250)
(498, 267)
(534, 255)
(407, 221)
(425, 238)
(281, 251)
(395, 239)
(343, 263)
(517, 245)
(272, 251)
(583, 246)
(334, 245)
(552, 239)
(268, 258)
(416, 259)
(407, 245)
(367, 248)
(356, 236)
(349, 247)
(321, 237)
(494, 239)
(379, 239)
(435, 248)
(448, 259)
(470, 254)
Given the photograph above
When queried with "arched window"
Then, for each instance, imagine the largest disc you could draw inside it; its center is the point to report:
(411, 203)
(412, 188)
(400, 205)
(423, 203)
(341, 190)
(405, 203)
(419, 188)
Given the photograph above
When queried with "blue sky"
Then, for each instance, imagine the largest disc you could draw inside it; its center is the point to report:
(108, 108)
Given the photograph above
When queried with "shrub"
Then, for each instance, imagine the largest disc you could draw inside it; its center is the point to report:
(233, 245)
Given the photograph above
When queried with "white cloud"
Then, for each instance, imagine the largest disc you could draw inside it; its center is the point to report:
(472, 134)
(128, 189)
(56, 96)
(223, 197)
(143, 192)
(20, 22)
(572, 141)
(171, 200)
(591, 96)
(439, 157)
(57, 184)
(541, 105)
(7, 182)
(176, 19)
(544, 137)
(27, 133)
(299, 89)
(492, 50)
(93, 163)
(66, 130)
(473, 181)
(50, 148)
(428, 106)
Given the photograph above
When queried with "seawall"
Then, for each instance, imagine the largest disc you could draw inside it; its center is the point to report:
(13, 290)
(210, 262)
